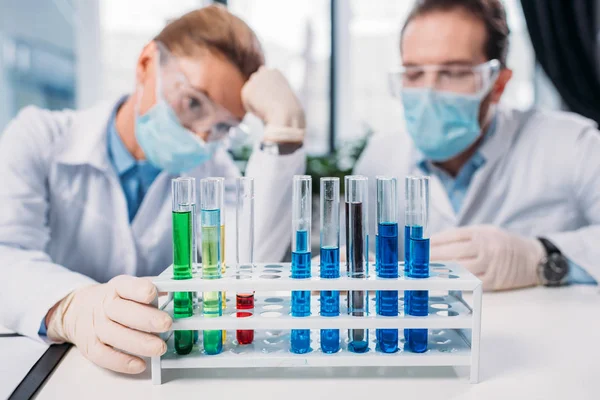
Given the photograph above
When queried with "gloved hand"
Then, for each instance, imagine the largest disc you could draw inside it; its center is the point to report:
(500, 259)
(115, 314)
(268, 95)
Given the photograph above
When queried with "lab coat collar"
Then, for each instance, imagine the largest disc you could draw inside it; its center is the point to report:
(498, 144)
(86, 142)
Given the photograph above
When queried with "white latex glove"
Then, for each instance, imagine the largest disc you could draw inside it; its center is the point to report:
(105, 318)
(268, 95)
(500, 259)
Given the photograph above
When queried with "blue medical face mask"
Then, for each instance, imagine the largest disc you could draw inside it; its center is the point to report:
(441, 124)
(167, 144)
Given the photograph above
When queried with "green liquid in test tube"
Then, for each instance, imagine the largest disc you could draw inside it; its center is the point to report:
(210, 218)
(183, 204)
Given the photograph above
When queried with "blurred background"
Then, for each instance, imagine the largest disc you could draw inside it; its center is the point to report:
(336, 54)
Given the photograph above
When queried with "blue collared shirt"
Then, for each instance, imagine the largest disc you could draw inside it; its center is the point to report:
(456, 188)
(135, 176)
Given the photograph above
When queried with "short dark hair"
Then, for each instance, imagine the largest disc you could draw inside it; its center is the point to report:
(490, 12)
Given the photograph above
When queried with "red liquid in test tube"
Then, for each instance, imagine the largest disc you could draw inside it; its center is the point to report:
(244, 302)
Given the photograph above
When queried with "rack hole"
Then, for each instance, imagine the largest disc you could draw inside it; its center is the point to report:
(442, 270)
(441, 306)
(270, 314)
(241, 314)
(446, 313)
(273, 307)
(241, 276)
(273, 340)
(274, 300)
(266, 276)
(442, 340)
(447, 276)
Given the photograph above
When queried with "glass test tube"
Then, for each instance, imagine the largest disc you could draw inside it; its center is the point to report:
(183, 199)
(245, 250)
(417, 231)
(223, 265)
(195, 250)
(357, 256)
(301, 225)
(330, 258)
(211, 193)
(387, 258)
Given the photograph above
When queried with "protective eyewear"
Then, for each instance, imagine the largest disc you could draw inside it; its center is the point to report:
(464, 79)
(194, 109)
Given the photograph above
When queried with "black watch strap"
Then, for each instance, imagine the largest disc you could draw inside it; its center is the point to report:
(549, 246)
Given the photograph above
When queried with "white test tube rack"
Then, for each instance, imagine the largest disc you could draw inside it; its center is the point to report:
(454, 325)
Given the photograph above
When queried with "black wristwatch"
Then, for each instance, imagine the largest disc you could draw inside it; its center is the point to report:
(554, 267)
(279, 148)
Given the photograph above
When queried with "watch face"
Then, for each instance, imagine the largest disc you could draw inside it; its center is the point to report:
(556, 268)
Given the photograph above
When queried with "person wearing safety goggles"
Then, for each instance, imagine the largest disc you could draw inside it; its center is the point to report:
(515, 195)
(86, 195)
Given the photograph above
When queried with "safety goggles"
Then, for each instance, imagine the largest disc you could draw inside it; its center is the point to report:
(463, 79)
(193, 108)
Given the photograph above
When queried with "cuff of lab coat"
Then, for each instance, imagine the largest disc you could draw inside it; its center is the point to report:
(283, 134)
(578, 275)
(68, 283)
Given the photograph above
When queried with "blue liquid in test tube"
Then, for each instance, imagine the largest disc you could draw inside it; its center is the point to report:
(387, 259)
(330, 259)
(301, 221)
(417, 213)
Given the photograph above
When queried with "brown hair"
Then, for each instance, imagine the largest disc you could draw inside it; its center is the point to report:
(217, 30)
(490, 12)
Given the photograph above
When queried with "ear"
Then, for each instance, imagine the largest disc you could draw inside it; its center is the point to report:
(500, 84)
(147, 58)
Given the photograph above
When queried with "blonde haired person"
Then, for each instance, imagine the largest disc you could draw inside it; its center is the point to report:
(85, 195)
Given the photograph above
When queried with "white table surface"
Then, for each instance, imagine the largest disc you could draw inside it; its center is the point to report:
(536, 344)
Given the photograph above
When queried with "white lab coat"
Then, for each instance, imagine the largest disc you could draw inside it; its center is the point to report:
(541, 178)
(63, 213)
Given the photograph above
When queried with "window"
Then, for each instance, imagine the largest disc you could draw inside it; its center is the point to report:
(125, 27)
(296, 38)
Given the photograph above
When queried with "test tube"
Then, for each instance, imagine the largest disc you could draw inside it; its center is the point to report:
(330, 259)
(183, 199)
(387, 258)
(245, 250)
(417, 231)
(223, 265)
(211, 194)
(357, 256)
(301, 225)
(195, 302)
